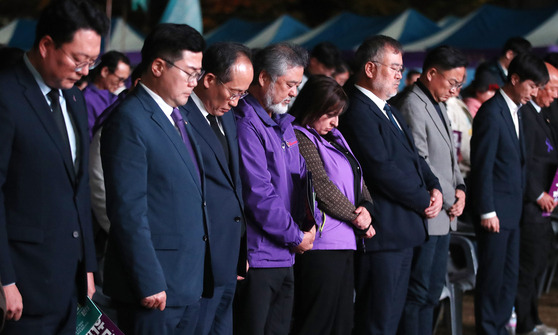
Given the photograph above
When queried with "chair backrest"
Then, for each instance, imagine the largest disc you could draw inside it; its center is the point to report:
(462, 261)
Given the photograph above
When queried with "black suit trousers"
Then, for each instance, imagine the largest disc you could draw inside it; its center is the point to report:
(535, 245)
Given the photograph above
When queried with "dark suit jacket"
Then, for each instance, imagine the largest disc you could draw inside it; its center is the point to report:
(542, 160)
(494, 69)
(398, 178)
(224, 193)
(44, 203)
(497, 163)
(156, 206)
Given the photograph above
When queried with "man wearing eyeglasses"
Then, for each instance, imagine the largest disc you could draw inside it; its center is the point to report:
(405, 191)
(106, 80)
(158, 261)
(423, 107)
(228, 74)
(47, 254)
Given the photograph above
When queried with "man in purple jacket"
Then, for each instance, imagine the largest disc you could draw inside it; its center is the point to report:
(273, 177)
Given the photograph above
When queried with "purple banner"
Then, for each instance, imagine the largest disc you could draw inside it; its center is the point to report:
(105, 326)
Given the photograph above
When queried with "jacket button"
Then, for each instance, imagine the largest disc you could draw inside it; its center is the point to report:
(204, 204)
(237, 219)
(75, 234)
(205, 238)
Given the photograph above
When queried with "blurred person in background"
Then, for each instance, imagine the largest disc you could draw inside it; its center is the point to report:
(106, 82)
(537, 236)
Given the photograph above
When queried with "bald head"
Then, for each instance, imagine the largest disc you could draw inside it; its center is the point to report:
(547, 95)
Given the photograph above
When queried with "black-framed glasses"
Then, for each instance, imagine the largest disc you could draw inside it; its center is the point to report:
(395, 68)
(455, 85)
(120, 79)
(194, 76)
(91, 64)
(233, 96)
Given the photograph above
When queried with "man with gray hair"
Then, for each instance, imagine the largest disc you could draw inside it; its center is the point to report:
(273, 176)
(405, 191)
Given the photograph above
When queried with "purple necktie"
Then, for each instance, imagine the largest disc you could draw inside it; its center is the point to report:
(179, 121)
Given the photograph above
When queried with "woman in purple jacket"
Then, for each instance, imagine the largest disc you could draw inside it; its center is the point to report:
(324, 279)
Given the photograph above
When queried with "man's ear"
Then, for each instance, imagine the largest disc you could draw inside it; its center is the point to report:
(264, 78)
(158, 66)
(370, 69)
(209, 79)
(46, 45)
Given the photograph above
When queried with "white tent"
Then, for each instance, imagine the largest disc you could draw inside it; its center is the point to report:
(123, 37)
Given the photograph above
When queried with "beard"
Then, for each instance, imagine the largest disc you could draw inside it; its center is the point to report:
(278, 108)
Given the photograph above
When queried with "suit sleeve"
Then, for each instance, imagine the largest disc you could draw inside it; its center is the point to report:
(125, 168)
(7, 129)
(537, 166)
(484, 145)
(368, 138)
(264, 206)
(415, 116)
(330, 198)
(97, 183)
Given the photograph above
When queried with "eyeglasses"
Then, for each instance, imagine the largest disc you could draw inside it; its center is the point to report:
(91, 64)
(120, 79)
(233, 96)
(194, 76)
(455, 85)
(395, 68)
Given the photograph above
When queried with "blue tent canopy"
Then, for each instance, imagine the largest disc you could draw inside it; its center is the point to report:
(412, 26)
(492, 26)
(344, 30)
(284, 28)
(19, 34)
(487, 28)
(348, 30)
(235, 30)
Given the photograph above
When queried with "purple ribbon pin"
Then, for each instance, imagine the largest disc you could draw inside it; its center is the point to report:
(549, 147)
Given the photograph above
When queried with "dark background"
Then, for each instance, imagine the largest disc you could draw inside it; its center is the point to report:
(310, 12)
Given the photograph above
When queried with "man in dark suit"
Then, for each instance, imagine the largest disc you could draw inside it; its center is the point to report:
(404, 190)
(536, 229)
(228, 75)
(423, 106)
(158, 243)
(497, 185)
(47, 254)
(498, 67)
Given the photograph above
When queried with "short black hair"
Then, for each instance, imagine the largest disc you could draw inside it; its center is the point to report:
(220, 57)
(552, 59)
(326, 53)
(518, 45)
(61, 19)
(444, 58)
(412, 72)
(528, 67)
(168, 41)
(374, 46)
(109, 60)
(319, 96)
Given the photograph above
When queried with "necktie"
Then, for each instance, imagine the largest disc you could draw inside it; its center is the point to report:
(179, 121)
(54, 97)
(220, 136)
(387, 108)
